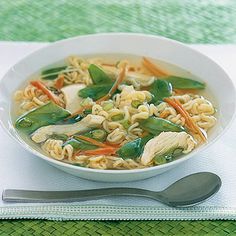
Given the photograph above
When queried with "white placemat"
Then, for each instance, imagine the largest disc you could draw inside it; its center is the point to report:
(19, 169)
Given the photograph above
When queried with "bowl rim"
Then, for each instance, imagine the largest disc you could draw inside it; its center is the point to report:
(27, 147)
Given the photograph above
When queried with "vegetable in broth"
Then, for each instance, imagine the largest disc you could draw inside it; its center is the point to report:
(97, 113)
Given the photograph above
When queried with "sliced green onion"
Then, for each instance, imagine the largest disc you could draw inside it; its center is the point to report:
(85, 102)
(167, 157)
(107, 106)
(125, 123)
(98, 134)
(136, 103)
(117, 117)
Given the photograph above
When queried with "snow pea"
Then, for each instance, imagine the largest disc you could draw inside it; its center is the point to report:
(98, 76)
(133, 149)
(77, 143)
(184, 83)
(47, 114)
(130, 150)
(156, 125)
(160, 89)
(95, 91)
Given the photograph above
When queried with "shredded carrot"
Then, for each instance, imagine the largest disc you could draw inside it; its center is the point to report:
(101, 151)
(92, 141)
(59, 82)
(190, 123)
(45, 90)
(115, 86)
(153, 68)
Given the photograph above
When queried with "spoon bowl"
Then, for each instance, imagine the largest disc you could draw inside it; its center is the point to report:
(192, 189)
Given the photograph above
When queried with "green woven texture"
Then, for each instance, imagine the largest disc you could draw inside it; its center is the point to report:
(190, 21)
(68, 228)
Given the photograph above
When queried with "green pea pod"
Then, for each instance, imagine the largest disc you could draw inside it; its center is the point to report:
(133, 149)
(95, 91)
(80, 144)
(156, 125)
(98, 76)
(47, 114)
(184, 83)
(51, 74)
(145, 139)
(160, 89)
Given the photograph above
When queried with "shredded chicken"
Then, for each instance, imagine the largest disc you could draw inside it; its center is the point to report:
(71, 96)
(165, 142)
(90, 121)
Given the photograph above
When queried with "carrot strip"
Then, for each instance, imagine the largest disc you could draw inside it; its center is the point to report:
(191, 125)
(115, 86)
(92, 141)
(45, 90)
(153, 68)
(101, 151)
(59, 82)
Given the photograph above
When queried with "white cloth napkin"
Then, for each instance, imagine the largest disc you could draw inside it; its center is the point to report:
(20, 169)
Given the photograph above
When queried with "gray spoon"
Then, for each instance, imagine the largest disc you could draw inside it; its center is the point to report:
(188, 191)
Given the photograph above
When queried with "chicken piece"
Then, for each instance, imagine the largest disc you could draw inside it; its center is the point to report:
(165, 142)
(71, 97)
(90, 121)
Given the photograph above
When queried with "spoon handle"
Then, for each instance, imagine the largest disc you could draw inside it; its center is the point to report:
(17, 195)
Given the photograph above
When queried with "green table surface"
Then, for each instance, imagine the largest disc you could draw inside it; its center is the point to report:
(189, 21)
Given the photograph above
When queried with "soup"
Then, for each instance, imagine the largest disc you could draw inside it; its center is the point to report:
(113, 114)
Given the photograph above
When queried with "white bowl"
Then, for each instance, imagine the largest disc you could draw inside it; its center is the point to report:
(160, 48)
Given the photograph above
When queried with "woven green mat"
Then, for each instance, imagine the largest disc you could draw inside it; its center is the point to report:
(191, 21)
(92, 228)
